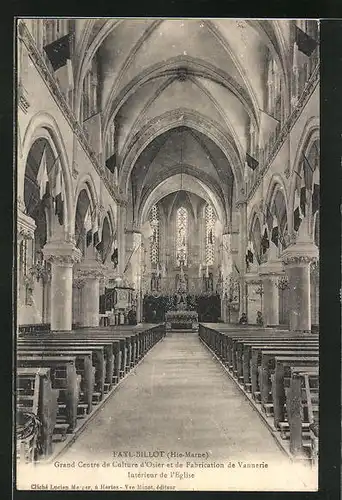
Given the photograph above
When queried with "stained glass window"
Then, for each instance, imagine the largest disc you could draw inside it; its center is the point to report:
(210, 219)
(154, 222)
(182, 236)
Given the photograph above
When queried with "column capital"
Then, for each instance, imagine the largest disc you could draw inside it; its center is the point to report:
(62, 253)
(271, 268)
(300, 254)
(252, 278)
(26, 226)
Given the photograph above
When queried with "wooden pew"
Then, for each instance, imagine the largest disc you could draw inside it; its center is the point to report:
(141, 339)
(84, 365)
(247, 351)
(255, 355)
(240, 357)
(267, 365)
(232, 345)
(262, 362)
(216, 338)
(302, 406)
(69, 357)
(34, 328)
(35, 395)
(282, 371)
(224, 342)
(136, 343)
(236, 343)
(130, 340)
(311, 382)
(104, 334)
(102, 354)
(116, 351)
(110, 365)
(63, 377)
(97, 337)
(243, 351)
(229, 344)
(132, 346)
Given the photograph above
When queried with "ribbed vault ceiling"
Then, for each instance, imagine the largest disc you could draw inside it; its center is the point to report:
(215, 69)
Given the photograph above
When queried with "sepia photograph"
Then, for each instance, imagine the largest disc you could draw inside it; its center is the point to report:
(167, 177)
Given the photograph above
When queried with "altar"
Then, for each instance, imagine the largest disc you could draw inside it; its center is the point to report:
(181, 318)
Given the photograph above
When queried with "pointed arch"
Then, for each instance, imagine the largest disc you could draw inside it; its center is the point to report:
(309, 135)
(86, 51)
(43, 124)
(173, 119)
(196, 186)
(182, 235)
(254, 234)
(170, 67)
(277, 183)
(87, 183)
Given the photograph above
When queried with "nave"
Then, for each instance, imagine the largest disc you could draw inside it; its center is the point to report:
(180, 399)
(168, 178)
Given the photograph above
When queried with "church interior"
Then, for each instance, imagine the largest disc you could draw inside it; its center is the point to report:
(168, 228)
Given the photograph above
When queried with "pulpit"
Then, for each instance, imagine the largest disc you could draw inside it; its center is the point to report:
(117, 304)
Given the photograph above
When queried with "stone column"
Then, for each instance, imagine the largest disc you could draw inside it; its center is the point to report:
(270, 273)
(297, 260)
(121, 239)
(77, 286)
(136, 270)
(227, 267)
(242, 206)
(62, 255)
(90, 271)
(25, 283)
(254, 301)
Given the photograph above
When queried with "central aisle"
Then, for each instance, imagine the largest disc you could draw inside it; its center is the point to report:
(180, 399)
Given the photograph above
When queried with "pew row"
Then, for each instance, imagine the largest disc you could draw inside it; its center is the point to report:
(36, 402)
(262, 362)
(83, 365)
(302, 410)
